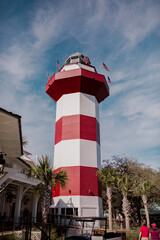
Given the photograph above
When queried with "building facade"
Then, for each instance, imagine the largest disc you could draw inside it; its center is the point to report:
(17, 198)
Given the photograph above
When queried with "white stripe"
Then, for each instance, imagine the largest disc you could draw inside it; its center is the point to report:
(77, 66)
(77, 152)
(89, 205)
(77, 103)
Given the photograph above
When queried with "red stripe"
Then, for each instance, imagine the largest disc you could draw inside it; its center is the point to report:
(82, 181)
(77, 127)
(77, 80)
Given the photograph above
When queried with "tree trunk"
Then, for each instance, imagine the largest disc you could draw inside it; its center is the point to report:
(127, 223)
(45, 203)
(144, 199)
(127, 211)
(109, 196)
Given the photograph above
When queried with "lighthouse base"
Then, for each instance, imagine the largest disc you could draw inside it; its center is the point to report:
(85, 206)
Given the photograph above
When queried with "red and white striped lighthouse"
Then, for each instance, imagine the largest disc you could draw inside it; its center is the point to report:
(78, 89)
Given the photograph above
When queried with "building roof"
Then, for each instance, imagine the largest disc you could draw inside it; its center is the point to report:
(153, 210)
(26, 160)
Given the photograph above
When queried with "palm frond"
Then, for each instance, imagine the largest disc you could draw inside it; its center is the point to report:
(24, 141)
(60, 177)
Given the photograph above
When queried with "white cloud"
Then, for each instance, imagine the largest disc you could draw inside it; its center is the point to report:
(137, 19)
(130, 123)
(16, 66)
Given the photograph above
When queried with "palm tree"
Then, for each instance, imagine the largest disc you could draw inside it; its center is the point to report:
(24, 144)
(24, 141)
(107, 178)
(124, 184)
(10, 198)
(144, 189)
(44, 172)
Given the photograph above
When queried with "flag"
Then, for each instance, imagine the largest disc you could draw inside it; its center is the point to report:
(58, 66)
(105, 67)
(109, 80)
(48, 78)
(84, 59)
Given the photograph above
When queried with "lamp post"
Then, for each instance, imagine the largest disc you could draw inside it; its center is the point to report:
(2, 163)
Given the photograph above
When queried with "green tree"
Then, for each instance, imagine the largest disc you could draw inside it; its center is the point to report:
(107, 178)
(10, 198)
(144, 190)
(44, 172)
(137, 173)
(124, 184)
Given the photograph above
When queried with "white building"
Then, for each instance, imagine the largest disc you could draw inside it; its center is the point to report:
(17, 198)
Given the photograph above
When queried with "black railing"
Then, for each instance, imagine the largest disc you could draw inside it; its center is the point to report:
(62, 222)
(27, 224)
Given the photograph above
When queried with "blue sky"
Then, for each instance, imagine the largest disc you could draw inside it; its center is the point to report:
(125, 35)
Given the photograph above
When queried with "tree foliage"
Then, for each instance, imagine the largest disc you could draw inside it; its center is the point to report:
(44, 172)
(132, 178)
(107, 177)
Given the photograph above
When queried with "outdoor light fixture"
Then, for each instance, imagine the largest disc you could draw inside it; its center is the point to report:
(2, 162)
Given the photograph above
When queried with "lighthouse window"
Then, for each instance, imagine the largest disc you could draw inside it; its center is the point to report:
(55, 211)
(75, 212)
(69, 211)
(74, 60)
(63, 211)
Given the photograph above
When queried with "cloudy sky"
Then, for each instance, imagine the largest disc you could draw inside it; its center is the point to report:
(123, 34)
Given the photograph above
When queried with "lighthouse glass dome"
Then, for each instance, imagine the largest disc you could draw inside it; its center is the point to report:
(77, 57)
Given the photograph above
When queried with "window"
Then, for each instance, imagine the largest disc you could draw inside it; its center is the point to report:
(63, 211)
(75, 211)
(55, 210)
(74, 60)
(69, 211)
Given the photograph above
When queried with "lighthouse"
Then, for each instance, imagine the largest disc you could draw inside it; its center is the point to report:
(77, 90)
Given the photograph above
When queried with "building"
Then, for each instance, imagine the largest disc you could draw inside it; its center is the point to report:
(16, 189)
(77, 90)
(154, 213)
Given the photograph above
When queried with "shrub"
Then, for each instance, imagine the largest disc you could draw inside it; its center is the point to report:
(133, 234)
(7, 237)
